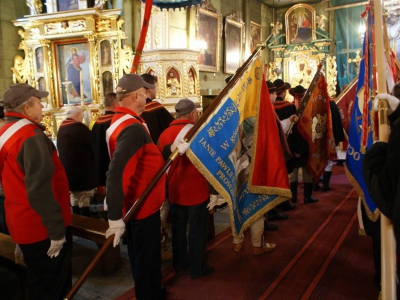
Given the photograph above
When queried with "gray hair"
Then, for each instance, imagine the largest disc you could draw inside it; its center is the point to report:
(20, 108)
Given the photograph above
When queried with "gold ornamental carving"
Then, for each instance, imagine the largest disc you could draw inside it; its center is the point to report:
(19, 70)
(103, 25)
(35, 6)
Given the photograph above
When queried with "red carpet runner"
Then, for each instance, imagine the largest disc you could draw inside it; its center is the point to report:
(319, 255)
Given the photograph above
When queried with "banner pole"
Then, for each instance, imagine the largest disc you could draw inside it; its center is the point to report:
(388, 257)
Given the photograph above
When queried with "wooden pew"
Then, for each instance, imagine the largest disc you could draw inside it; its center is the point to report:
(7, 260)
(94, 230)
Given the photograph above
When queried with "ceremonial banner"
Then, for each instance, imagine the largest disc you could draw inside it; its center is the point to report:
(361, 128)
(315, 126)
(238, 142)
(345, 103)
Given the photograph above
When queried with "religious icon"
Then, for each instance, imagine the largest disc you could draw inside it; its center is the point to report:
(105, 53)
(41, 84)
(39, 59)
(191, 84)
(73, 82)
(173, 84)
(107, 83)
(300, 24)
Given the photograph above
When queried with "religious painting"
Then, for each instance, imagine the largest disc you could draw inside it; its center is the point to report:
(67, 5)
(173, 80)
(105, 47)
(192, 81)
(41, 84)
(71, 61)
(234, 30)
(255, 36)
(209, 32)
(39, 59)
(300, 69)
(107, 83)
(300, 24)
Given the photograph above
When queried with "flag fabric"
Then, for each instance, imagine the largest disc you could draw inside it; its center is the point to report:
(315, 126)
(345, 103)
(362, 127)
(238, 144)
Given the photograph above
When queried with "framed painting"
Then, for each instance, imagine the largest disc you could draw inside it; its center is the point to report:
(67, 5)
(39, 59)
(300, 24)
(105, 47)
(300, 69)
(234, 30)
(72, 76)
(255, 36)
(209, 32)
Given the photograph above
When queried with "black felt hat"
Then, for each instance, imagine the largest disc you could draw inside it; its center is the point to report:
(298, 90)
(271, 87)
(281, 85)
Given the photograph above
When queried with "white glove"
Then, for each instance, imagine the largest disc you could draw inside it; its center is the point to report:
(19, 256)
(213, 202)
(55, 247)
(182, 147)
(393, 102)
(117, 228)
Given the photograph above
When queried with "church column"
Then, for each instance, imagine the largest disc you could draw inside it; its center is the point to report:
(93, 67)
(48, 74)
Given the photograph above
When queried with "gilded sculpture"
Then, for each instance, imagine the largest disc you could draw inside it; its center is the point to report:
(35, 6)
(19, 70)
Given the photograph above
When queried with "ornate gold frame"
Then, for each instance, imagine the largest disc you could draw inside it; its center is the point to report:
(300, 21)
(46, 31)
(209, 30)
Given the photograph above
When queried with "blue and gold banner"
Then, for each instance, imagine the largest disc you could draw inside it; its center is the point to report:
(361, 127)
(224, 147)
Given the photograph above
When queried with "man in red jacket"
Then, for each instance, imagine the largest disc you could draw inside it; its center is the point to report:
(182, 177)
(135, 160)
(37, 194)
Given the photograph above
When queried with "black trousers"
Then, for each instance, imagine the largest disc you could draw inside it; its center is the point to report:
(197, 217)
(48, 278)
(144, 250)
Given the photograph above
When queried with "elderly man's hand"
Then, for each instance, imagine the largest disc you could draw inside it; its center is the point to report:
(117, 228)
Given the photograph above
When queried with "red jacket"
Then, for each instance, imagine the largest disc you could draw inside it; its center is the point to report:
(186, 185)
(34, 182)
(135, 160)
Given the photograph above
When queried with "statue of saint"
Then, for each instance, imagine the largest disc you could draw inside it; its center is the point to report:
(173, 85)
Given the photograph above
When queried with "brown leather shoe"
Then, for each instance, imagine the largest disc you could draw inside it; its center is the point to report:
(237, 247)
(268, 247)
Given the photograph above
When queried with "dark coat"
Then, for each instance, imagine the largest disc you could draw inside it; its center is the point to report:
(100, 148)
(76, 154)
(157, 119)
(297, 144)
(382, 176)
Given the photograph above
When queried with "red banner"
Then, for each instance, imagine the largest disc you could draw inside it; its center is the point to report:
(315, 125)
